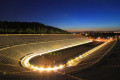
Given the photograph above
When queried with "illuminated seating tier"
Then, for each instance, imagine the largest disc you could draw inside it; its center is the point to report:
(10, 40)
(22, 45)
(19, 51)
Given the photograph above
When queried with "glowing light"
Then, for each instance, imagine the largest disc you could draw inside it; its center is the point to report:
(61, 66)
(55, 68)
(41, 69)
(32, 66)
(36, 68)
(48, 69)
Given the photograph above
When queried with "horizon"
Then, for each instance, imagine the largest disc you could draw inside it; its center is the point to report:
(76, 30)
(95, 30)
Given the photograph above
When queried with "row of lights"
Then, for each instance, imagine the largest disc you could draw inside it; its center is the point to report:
(25, 61)
(73, 62)
(77, 60)
(101, 39)
(47, 69)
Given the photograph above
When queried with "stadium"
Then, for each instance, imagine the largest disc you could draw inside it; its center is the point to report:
(59, 40)
(36, 56)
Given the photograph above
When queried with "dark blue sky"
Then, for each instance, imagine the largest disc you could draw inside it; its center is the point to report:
(66, 14)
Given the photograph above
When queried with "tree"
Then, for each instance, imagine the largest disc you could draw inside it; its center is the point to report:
(29, 30)
(20, 31)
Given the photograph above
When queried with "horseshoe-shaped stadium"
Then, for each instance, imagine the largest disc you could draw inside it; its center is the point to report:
(33, 55)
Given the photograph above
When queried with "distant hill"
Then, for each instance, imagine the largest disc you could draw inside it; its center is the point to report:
(28, 28)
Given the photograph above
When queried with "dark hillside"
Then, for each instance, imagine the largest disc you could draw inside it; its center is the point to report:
(28, 28)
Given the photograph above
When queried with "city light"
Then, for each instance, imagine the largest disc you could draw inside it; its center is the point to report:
(100, 39)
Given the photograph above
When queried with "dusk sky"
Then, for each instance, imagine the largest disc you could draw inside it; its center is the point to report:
(72, 15)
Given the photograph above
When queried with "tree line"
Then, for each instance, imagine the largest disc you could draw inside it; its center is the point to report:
(28, 28)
